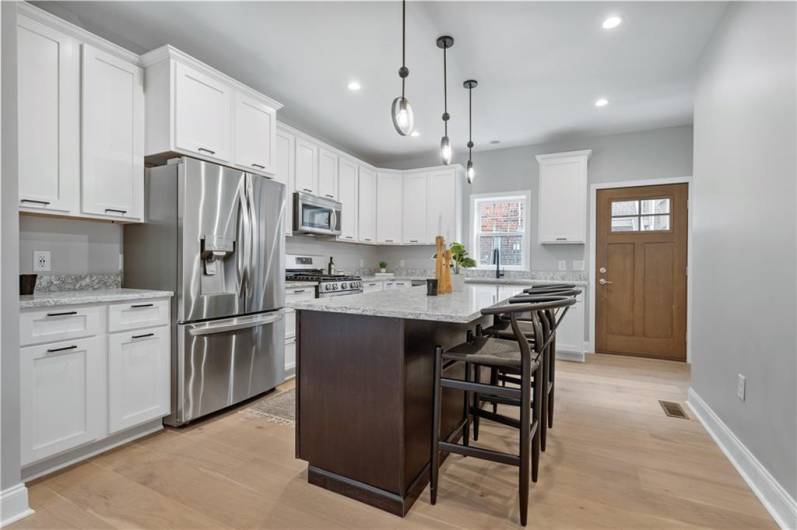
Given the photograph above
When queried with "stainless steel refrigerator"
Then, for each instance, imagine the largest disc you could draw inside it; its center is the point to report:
(214, 237)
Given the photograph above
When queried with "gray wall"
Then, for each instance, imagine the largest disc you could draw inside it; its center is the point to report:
(76, 247)
(9, 242)
(744, 231)
(657, 153)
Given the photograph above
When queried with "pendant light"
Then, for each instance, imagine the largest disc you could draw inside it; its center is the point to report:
(445, 42)
(470, 172)
(401, 111)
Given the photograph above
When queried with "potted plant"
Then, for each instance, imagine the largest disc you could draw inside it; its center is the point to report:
(382, 266)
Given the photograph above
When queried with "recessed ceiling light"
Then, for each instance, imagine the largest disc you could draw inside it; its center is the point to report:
(612, 22)
(354, 86)
(415, 133)
(601, 102)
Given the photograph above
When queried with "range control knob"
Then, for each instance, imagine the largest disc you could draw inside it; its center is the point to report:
(327, 287)
(343, 285)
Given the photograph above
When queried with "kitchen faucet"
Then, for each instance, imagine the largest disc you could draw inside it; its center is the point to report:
(497, 261)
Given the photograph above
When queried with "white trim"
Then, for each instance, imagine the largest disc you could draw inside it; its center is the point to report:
(593, 194)
(567, 154)
(526, 194)
(780, 505)
(14, 504)
(572, 356)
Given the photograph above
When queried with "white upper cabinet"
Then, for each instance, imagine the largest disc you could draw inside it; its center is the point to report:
(284, 165)
(196, 110)
(48, 118)
(255, 134)
(112, 168)
(366, 222)
(444, 206)
(203, 113)
(388, 207)
(306, 172)
(348, 196)
(562, 198)
(327, 174)
(414, 210)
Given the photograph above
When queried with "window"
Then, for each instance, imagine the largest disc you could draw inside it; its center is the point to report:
(500, 221)
(645, 215)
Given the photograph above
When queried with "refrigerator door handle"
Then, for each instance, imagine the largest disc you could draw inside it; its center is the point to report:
(233, 324)
(242, 261)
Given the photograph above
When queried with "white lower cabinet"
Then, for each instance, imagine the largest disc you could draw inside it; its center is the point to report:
(138, 377)
(63, 386)
(292, 294)
(570, 334)
(90, 371)
(371, 286)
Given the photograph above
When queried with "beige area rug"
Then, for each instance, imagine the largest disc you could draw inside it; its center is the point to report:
(278, 407)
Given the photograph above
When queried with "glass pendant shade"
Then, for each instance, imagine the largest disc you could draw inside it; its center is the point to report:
(445, 150)
(403, 119)
(470, 172)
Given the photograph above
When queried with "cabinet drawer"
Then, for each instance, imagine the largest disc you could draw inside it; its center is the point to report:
(138, 314)
(372, 286)
(60, 323)
(293, 294)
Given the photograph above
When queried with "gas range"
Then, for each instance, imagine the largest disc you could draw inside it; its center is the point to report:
(308, 269)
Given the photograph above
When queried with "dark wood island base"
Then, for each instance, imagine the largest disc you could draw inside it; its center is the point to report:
(364, 403)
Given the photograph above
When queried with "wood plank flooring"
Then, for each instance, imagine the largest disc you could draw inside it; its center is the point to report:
(614, 460)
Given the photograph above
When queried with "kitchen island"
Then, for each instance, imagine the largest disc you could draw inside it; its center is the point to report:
(364, 386)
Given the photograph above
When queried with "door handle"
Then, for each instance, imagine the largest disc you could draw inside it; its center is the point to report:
(34, 201)
(116, 210)
(604, 282)
(233, 324)
(259, 166)
(208, 151)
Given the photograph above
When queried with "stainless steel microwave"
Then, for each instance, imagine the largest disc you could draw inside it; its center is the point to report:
(315, 215)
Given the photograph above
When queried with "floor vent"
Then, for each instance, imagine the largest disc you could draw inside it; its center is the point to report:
(673, 409)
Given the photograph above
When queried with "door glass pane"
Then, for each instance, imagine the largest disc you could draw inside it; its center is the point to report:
(510, 247)
(625, 224)
(655, 222)
(656, 206)
(625, 207)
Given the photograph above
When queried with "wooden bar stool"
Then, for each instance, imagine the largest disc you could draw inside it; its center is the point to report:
(516, 354)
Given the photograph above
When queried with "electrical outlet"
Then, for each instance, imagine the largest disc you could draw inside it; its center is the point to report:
(41, 261)
(562, 265)
(578, 264)
(741, 384)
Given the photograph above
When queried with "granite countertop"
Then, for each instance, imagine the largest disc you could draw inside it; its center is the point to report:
(462, 306)
(88, 296)
(521, 281)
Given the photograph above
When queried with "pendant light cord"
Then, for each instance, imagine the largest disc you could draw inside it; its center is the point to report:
(403, 41)
(470, 122)
(445, 88)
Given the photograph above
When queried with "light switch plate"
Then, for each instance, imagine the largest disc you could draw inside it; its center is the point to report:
(562, 265)
(741, 386)
(41, 261)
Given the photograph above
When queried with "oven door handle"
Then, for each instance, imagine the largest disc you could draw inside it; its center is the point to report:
(233, 324)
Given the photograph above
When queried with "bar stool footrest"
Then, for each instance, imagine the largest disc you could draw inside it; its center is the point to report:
(486, 454)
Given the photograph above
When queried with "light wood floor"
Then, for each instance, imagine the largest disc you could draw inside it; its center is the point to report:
(614, 461)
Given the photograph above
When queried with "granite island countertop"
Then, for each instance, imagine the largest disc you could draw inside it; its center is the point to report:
(462, 306)
(88, 296)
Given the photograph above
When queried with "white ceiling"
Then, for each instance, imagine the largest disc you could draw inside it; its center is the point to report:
(540, 65)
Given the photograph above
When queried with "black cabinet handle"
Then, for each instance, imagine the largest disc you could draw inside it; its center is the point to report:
(138, 306)
(114, 210)
(208, 151)
(144, 336)
(561, 239)
(66, 348)
(259, 166)
(34, 201)
(63, 314)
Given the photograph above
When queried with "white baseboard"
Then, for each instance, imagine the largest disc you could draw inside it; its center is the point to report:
(780, 505)
(570, 355)
(14, 504)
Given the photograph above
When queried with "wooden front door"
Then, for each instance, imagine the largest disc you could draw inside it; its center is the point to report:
(640, 305)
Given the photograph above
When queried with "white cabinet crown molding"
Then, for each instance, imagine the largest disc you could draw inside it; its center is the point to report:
(169, 52)
(567, 154)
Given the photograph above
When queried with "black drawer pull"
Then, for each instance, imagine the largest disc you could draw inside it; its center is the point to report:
(208, 151)
(115, 210)
(63, 314)
(65, 348)
(144, 336)
(561, 239)
(259, 166)
(138, 306)
(297, 291)
(34, 201)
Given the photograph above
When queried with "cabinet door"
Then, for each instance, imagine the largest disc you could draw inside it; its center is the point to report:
(563, 200)
(306, 173)
(255, 131)
(139, 364)
(63, 396)
(372, 286)
(414, 211)
(388, 207)
(367, 206)
(285, 152)
(442, 208)
(203, 114)
(327, 174)
(112, 179)
(48, 118)
(348, 191)
(570, 334)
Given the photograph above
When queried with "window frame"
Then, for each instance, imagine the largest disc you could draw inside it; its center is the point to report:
(475, 198)
(639, 215)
